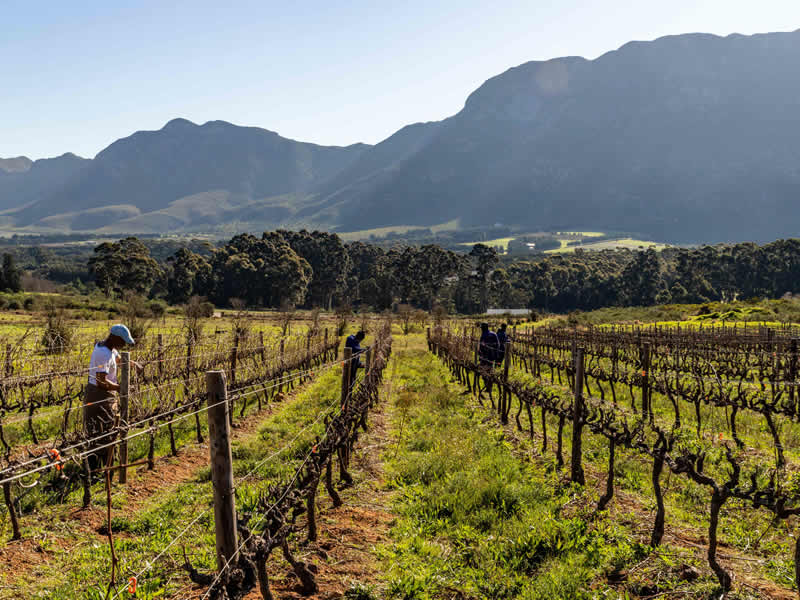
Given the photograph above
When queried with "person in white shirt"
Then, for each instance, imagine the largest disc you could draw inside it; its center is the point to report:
(100, 401)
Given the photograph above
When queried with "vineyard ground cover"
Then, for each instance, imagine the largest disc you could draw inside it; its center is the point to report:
(67, 490)
(474, 521)
(759, 552)
(766, 312)
(764, 552)
(77, 565)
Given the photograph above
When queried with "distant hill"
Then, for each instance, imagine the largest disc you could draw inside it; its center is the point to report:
(149, 170)
(27, 181)
(19, 164)
(686, 138)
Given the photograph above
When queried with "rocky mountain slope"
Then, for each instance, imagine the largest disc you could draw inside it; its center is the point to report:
(686, 138)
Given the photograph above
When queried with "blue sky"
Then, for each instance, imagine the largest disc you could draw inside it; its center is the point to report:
(75, 76)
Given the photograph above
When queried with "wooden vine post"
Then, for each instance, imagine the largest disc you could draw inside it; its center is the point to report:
(160, 354)
(262, 351)
(577, 421)
(9, 364)
(792, 371)
(346, 366)
(505, 395)
(646, 408)
(234, 361)
(124, 395)
(219, 434)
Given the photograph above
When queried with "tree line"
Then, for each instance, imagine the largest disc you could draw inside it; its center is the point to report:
(318, 269)
(10, 274)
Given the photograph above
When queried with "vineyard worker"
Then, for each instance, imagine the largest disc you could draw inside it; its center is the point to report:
(354, 343)
(100, 402)
(489, 347)
(502, 340)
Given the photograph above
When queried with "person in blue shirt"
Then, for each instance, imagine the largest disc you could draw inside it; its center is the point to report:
(502, 339)
(489, 347)
(354, 343)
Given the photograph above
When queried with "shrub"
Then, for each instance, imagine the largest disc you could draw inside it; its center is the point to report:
(343, 314)
(29, 303)
(137, 316)
(207, 309)
(157, 308)
(241, 320)
(195, 311)
(14, 305)
(314, 328)
(405, 313)
(57, 337)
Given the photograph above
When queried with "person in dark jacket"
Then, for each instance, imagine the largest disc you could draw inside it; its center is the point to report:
(502, 339)
(354, 343)
(489, 347)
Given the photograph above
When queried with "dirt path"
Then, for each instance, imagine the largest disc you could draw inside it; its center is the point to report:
(344, 553)
(347, 536)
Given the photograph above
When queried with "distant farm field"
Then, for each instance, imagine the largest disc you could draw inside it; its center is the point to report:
(629, 243)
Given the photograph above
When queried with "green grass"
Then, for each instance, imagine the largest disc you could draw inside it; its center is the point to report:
(588, 234)
(80, 563)
(628, 243)
(768, 313)
(503, 242)
(378, 232)
(474, 521)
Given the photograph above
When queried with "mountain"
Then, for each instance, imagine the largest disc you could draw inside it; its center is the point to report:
(150, 170)
(686, 138)
(19, 164)
(23, 181)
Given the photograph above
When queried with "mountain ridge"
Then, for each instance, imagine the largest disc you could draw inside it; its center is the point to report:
(678, 138)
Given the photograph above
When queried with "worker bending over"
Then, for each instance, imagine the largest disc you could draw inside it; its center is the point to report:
(100, 407)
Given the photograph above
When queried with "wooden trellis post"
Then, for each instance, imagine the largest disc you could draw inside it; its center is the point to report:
(346, 366)
(124, 394)
(646, 410)
(9, 363)
(160, 354)
(577, 421)
(505, 395)
(234, 360)
(219, 434)
(792, 370)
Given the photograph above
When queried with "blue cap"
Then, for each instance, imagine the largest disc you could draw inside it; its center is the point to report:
(123, 332)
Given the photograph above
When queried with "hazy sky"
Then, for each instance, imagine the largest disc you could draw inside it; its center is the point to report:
(75, 76)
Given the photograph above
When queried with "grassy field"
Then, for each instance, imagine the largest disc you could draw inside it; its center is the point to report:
(482, 512)
(503, 242)
(364, 234)
(628, 243)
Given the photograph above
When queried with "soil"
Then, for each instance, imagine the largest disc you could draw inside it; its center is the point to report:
(343, 554)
